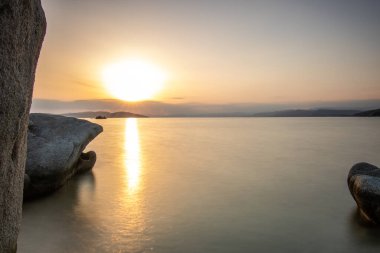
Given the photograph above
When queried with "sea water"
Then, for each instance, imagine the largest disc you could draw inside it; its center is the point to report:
(212, 185)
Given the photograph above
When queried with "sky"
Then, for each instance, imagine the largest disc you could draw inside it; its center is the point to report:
(216, 51)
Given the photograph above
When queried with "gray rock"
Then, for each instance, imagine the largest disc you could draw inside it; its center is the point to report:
(22, 29)
(55, 146)
(364, 184)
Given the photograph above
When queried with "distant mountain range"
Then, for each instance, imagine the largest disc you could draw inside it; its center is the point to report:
(372, 113)
(184, 109)
(320, 113)
(104, 114)
(309, 113)
(285, 113)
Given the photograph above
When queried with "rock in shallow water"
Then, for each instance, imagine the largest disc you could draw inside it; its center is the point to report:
(55, 146)
(364, 184)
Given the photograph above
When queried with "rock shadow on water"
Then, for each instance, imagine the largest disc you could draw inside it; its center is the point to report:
(69, 195)
(42, 217)
(363, 231)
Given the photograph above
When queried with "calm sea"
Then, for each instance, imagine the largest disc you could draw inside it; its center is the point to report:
(212, 185)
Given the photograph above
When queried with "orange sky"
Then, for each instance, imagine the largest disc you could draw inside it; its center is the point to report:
(216, 51)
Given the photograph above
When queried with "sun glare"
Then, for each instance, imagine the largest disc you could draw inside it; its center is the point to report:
(133, 156)
(133, 80)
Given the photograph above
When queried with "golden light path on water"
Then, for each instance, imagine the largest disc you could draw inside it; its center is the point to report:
(132, 154)
(132, 207)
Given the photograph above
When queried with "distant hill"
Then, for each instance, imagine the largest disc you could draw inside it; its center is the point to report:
(180, 108)
(309, 113)
(284, 113)
(372, 113)
(104, 114)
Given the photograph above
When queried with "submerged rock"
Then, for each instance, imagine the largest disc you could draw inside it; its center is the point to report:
(54, 155)
(364, 184)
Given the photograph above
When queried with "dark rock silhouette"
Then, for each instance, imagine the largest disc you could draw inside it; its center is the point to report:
(308, 113)
(55, 146)
(105, 115)
(364, 184)
(22, 30)
(100, 117)
(372, 113)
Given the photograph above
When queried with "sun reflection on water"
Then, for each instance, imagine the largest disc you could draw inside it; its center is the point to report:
(131, 211)
(132, 154)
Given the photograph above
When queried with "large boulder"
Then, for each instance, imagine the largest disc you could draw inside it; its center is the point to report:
(364, 184)
(55, 146)
(22, 30)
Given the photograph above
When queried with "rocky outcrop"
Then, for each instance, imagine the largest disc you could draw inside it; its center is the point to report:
(364, 184)
(55, 146)
(22, 29)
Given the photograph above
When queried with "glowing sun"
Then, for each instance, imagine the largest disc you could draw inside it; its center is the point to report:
(133, 80)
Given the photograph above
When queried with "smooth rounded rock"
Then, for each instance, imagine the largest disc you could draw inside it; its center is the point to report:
(55, 151)
(364, 184)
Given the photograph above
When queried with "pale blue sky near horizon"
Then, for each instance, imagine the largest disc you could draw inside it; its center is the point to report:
(221, 52)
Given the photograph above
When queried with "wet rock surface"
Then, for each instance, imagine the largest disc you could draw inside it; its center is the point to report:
(55, 152)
